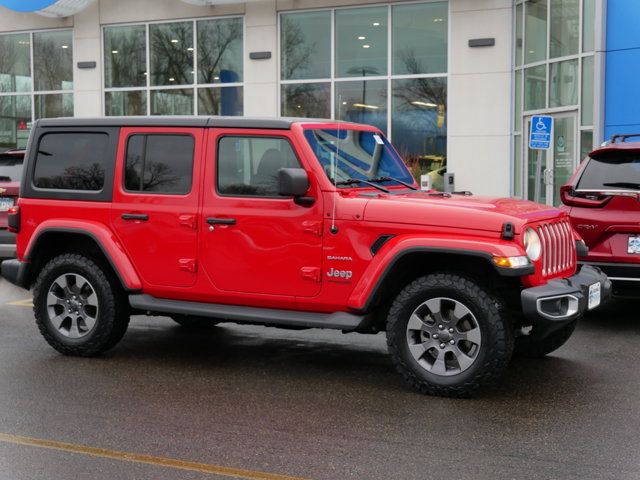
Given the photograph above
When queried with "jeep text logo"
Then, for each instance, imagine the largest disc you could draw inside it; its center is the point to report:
(344, 274)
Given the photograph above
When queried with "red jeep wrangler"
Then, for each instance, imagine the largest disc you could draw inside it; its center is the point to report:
(290, 223)
(603, 201)
(10, 175)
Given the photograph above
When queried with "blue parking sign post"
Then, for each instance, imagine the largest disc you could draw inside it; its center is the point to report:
(540, 132)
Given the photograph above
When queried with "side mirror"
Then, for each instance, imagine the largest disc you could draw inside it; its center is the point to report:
(292, 182)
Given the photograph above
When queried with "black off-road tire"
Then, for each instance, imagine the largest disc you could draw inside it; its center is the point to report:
(527, 347)
(493, 355)
(112, 319)
(194, 323)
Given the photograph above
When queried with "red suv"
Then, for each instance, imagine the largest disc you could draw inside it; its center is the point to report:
(10, 175)
(291, 223)
(603, 201)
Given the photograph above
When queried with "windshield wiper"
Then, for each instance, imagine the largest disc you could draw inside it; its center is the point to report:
(623, 185)
(391, 179)
(355, 181)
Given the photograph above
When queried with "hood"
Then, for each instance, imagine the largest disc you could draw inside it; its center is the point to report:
(456, 211)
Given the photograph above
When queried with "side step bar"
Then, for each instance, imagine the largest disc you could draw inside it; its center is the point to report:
(265, 316)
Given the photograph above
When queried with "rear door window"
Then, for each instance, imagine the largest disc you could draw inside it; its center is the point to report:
(159, 163)
(612, 171)
(71, 161)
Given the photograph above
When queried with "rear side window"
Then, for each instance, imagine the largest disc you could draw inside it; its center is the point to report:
(11, 167)
(614, 171)
(159, 164)
(248, 166)
(71, 161)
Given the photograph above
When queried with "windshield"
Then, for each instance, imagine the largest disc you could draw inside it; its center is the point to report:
(615, 171)
(353, 154)
(10, 168)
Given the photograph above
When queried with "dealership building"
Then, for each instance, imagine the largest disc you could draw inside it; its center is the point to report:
(454, 84)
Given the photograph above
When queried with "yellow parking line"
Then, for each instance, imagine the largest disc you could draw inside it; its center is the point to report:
(22, 303)
(145, 459)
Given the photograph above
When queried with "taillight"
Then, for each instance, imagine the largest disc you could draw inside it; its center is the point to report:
(569, 197)
(13, 219)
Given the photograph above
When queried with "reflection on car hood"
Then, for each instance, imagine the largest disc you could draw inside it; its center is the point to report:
(458, 211)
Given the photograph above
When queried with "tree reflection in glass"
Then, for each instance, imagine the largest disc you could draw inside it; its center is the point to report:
(53, 60)
(125, 62)
(305, 45)
(171, 53)
(311, 100)
(15, 69)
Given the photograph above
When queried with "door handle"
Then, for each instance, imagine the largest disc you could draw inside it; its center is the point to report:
(221, 221)
(142, 217)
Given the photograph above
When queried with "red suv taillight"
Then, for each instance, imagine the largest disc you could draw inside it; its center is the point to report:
(568, 197)
(13, 219)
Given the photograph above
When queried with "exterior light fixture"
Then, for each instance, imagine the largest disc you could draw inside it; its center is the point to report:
(366, 46)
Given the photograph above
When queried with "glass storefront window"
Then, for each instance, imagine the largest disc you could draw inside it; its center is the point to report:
(126, 103)
(171, 53)
(420, 38)
(225, 101)
(587, 91)
(125, 63)
(563, 84)
(305, 45)
(419, 125)
(53, 105)
(519, 38)
(172, 102)
(15, 114)
(535, 42)
(220, 50)
(361, 42)
(586, 143)
(564, 28)
(53, 60)
(588, 25)
(535, 87)
(362, 102)
(312, 100)
(15, 63)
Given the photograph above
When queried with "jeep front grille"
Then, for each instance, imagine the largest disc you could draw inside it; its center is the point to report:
(558, 247)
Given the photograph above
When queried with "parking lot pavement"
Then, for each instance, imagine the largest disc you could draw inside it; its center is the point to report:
(309, 404)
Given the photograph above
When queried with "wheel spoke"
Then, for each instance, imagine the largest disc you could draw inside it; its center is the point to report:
(74, 330)
(53, 299)
(57, 320)
(92, 299)
(434, 305)
(459, 312)
(418, 349)
(464, 360)
(439, 366)
(89, 321)
(472, 335)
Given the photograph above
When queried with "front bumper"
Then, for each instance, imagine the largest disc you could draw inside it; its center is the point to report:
(559, 302)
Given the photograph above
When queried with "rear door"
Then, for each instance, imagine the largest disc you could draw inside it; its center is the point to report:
(609, 219)
(155, 202)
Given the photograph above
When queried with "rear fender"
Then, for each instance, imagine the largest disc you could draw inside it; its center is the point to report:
(101, 235)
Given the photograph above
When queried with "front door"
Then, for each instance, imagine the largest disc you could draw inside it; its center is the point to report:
(548, 170)
(253, 240)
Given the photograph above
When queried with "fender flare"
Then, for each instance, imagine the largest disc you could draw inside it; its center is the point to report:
(383, 263)
(103, 237)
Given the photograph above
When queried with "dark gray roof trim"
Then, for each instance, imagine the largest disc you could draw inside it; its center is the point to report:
(176, 121)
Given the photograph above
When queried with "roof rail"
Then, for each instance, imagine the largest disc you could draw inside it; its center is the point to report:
(623, 137)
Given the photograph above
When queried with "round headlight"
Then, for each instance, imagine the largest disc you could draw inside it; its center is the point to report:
(532, 244)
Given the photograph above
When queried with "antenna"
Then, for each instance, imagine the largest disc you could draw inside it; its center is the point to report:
(334, 170)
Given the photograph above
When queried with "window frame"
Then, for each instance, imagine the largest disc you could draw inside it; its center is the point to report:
(195, 86)
(389, 77)
(256, 136)
(32, 93)
(148, 134)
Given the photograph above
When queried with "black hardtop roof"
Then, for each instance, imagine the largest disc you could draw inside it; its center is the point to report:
(179, 121)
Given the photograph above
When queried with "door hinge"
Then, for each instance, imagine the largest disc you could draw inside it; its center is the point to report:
(188, 221)
(188, 265)
(310, 273)
(313, 227)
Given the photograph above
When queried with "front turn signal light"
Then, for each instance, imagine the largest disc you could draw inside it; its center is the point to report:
(511, 262)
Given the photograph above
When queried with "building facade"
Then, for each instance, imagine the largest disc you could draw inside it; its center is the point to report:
(453, 83)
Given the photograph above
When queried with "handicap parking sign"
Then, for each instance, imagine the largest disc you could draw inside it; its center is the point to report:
(540, 132)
